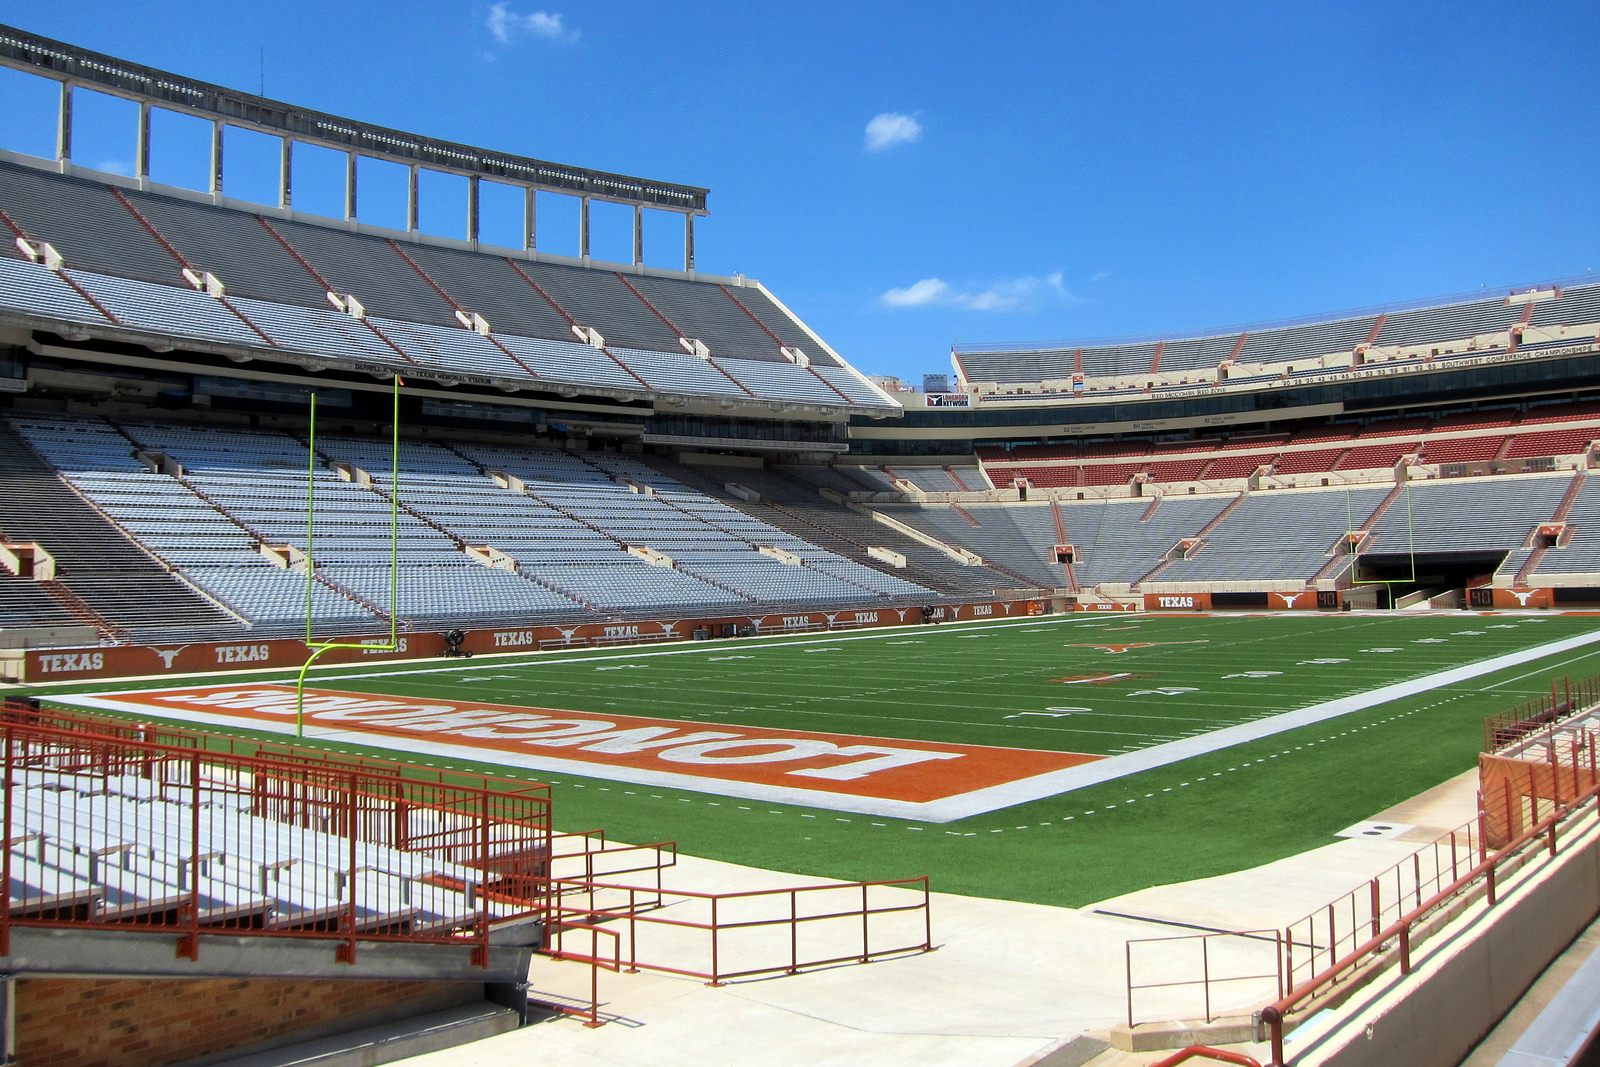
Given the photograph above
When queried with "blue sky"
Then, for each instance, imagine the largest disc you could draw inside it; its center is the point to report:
(910, 175)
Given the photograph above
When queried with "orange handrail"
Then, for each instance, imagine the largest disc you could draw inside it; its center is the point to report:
(1221, 1055)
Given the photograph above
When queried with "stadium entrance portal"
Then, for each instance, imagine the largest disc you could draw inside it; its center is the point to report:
(1432, 573)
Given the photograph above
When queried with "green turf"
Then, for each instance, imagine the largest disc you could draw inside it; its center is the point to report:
(975, 684)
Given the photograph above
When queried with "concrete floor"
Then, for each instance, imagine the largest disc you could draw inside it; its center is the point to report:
(1007, 984)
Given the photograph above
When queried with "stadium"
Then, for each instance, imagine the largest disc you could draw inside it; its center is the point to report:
(426, 647)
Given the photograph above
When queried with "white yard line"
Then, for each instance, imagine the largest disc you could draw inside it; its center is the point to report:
(1065, 781)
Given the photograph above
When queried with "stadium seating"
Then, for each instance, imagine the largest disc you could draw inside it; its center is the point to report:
(1469, 514)
(1278, 536)
(564, 538)
(126, 251)
(1581, 554)
(1455, 438)
(1124, 367)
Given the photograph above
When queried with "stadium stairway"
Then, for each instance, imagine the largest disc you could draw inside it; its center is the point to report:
(1339, 561)
(1563, 509)
(1199, 539)
(102, 575)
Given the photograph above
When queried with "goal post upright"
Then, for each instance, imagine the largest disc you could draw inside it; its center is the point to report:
(317, 648)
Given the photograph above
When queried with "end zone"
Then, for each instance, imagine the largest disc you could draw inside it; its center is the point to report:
(868, 775)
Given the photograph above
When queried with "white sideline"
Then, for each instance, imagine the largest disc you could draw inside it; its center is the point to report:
(1105, 770)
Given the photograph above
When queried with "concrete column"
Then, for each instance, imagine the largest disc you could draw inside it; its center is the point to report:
(530, 219)
(141, 152)
(472, 208)
(350, 186)
(688, 241)
(286, 174)
(583, 227)
(638, 235)
(64, 125)
(216, 157)
(413, 200)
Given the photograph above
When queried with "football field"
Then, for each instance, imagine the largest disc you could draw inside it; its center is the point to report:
(1058, 760)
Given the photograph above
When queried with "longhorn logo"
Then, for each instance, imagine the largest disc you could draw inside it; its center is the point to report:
(1289, 599)
(1523, 595)
(567, 633)
(1117, 650)
(168, 655)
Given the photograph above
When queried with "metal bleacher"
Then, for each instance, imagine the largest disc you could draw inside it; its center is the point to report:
(129, 829)
(227, 515)
(1468, 514)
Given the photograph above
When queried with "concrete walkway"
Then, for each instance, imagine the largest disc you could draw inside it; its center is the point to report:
(1008, 982)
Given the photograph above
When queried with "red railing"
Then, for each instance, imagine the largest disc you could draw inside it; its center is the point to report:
(1323, 936)
(1182, 953)
(1320, 947)
(113, 830)
(1402, 933)
(1566, 699)
(597, 963)
(754, 932)
(1204, 1052)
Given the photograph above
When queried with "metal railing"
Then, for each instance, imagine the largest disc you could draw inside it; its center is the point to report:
(1205, 1052)
(107, 828)
(1193, 949)
(1319, 939)
(1403, 933)
(1567, 698)
(753, 932)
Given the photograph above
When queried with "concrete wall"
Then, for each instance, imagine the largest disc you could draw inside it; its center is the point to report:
(1450, 1003)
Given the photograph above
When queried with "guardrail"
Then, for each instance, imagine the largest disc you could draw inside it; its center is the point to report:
(1401, 933)
(1256, 941)
(106, 828)
(1516, 807)
(753, 932)
(1320, 938)
(1567, 698)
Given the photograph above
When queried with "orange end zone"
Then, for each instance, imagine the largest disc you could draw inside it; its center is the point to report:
(842, 764)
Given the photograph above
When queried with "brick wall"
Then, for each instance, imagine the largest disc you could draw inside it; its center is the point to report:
(135, 1023)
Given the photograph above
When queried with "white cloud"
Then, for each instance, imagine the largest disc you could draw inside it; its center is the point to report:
(889, 128)
(917, 294)
(506, 25)
(1099, 276)
(1007, 294)
(115, 166)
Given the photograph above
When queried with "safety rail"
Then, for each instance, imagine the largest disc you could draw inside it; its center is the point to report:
(1318, 939)
(1530, 790)
(1403, 933)
(107, 830)
(597, 963)
(1205, 1052)
(1565, 700)
(703, 923)
(1252, 940)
